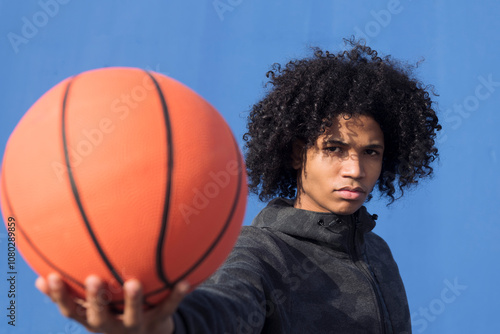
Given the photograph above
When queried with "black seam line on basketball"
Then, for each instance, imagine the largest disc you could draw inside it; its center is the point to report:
(168, 188)
(76, 193)
(30, 243)
(240, 166)
(160, 290)
(226, 225)
(228, 220)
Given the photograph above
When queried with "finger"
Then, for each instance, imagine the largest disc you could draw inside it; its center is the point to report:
(79, 311)
(58, 292)
(169, 305)
(133, 313)
(42, 285)
(98, 315)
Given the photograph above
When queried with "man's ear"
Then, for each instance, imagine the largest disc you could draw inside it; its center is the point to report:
(297, 154)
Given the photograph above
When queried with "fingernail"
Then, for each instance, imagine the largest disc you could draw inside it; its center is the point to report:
(92, 284)
(54, 282)
(184, 286)
(39, 283)
(132, 287)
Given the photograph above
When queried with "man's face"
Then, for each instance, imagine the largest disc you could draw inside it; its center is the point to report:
(342, 167)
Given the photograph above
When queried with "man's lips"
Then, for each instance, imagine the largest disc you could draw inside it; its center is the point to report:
(351, 193)
(354, 189)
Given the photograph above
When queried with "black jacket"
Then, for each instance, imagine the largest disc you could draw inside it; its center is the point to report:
(297, 271)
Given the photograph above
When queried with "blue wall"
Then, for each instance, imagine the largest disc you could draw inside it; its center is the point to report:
(443, 234)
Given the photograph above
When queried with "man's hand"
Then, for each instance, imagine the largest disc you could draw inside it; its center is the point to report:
(95, 315)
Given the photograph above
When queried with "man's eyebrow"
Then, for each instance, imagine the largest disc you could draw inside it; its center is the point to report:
(336, 141)
(343, 143)
(371, 146)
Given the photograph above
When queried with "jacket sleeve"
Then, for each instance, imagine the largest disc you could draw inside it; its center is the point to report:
(234, 299)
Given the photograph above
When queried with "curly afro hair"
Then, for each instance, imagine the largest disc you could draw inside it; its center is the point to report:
(308, 93)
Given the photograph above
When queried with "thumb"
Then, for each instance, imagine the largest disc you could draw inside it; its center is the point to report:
(161, 315)
(170, 304)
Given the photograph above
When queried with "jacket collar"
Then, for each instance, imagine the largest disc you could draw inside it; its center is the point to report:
(330, 228)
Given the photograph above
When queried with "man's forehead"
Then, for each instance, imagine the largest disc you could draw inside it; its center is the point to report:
(350, 128)
(351, 123)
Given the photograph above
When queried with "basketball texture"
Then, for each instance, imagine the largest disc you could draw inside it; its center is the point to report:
(124, 173)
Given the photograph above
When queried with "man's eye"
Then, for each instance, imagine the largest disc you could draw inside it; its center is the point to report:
(333, 149)
(372, 152)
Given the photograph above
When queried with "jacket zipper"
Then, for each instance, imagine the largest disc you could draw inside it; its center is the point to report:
(353, 253)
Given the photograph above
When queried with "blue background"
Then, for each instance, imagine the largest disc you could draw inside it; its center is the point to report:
(444, 233)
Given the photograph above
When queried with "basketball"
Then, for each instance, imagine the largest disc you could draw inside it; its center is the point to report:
(124, 173)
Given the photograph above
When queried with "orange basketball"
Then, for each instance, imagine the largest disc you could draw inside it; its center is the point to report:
(124, 173)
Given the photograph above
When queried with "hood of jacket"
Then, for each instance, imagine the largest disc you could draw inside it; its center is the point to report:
(336, 231)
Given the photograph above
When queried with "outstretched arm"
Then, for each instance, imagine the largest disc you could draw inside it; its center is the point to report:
(236, 298)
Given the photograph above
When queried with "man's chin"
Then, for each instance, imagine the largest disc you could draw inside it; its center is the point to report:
(346, 208)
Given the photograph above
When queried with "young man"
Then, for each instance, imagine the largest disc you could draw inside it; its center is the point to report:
(331, 129)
